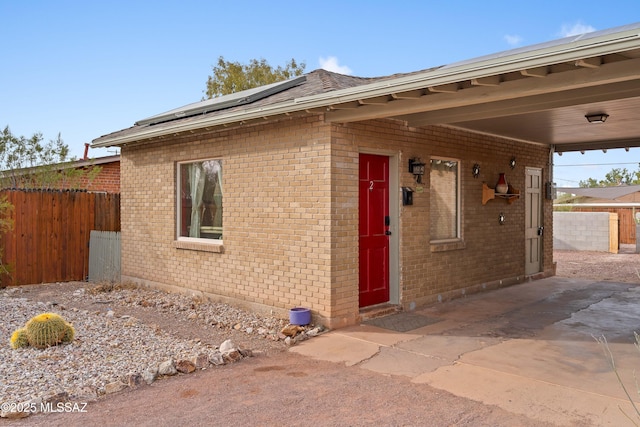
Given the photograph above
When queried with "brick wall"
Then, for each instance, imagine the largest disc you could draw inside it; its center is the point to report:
(108, 180)
(291, 215)
(277, 200)
(490, 255)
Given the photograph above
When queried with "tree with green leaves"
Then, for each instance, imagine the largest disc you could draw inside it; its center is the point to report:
(614, 178)
(19, 152)
(230, 77)
(33, 163)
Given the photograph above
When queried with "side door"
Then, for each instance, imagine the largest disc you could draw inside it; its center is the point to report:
(533, 221)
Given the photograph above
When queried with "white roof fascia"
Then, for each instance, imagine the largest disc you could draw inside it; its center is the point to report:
(493, 65)
(561, 51)
(249, 114)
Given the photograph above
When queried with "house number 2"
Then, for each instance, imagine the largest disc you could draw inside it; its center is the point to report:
(370, 185)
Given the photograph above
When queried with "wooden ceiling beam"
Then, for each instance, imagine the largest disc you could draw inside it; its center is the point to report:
(448, 88)
(622, 90)
(589, 62)
(379, 100)
(413, 94)
(597, 145)
(344, 106)
(535, 72)
(486, 81)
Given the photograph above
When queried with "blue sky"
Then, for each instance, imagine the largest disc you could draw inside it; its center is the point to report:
(84, 69)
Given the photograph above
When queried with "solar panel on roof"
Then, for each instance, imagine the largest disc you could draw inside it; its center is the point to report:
(226, 101)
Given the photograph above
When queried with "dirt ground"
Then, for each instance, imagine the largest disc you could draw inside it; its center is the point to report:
(623, 267)
(284, 389)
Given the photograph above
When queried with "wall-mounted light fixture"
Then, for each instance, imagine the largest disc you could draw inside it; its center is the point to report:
(476, 170)
(416, 167)
(501, 218)
(597, 118)
(512, 162)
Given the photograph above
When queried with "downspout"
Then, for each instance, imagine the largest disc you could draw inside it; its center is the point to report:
(552, 150)
(549, 190)
(550, 186)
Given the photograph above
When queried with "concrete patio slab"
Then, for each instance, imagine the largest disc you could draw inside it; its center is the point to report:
(392, 361)
(530, 349)
(449, 348)
(539, 400)
(579, 365)
(338, 348)
(377, 335)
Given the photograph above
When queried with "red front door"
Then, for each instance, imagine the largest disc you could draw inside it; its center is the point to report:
(374, 226)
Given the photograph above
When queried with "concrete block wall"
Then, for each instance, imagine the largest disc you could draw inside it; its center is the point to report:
(581, 231)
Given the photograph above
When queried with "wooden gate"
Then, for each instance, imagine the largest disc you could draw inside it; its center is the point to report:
(627, 223)
(50, 238)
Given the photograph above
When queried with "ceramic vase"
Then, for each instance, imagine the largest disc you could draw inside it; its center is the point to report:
(502, 187)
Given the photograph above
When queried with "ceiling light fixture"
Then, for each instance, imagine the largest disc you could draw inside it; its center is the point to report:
(597, 118)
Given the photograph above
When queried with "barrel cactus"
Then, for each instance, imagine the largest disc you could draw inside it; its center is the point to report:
(43, 330)
(19, 339)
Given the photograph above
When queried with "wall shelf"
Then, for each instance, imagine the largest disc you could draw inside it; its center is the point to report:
(490, 194)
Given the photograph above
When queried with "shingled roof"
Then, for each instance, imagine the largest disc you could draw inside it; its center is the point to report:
(314, 83)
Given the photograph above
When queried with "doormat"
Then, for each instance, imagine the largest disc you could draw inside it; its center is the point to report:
(401, 322)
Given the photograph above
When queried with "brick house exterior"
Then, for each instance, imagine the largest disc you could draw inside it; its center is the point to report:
(107, 180)
(291, 188)
(291, 239)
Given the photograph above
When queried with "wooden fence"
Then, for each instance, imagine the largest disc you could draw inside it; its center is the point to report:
(626, 221)
(50, 238)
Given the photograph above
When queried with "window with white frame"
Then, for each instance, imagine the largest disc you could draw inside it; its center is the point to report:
(200, 200)
(445, 199)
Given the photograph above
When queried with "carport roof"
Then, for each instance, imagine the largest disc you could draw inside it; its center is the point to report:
(537, 94)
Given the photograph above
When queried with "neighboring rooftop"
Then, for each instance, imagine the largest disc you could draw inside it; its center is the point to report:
(608, 193)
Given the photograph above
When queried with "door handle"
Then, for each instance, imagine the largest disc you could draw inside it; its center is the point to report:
(388, 233)
(540, 231)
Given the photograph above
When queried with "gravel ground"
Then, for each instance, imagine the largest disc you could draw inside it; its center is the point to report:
(122, 330)
(276, 388)
(119, 331)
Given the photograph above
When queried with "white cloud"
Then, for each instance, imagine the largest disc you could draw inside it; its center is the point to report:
(513, 40)
(578, 28)
(331, 64)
